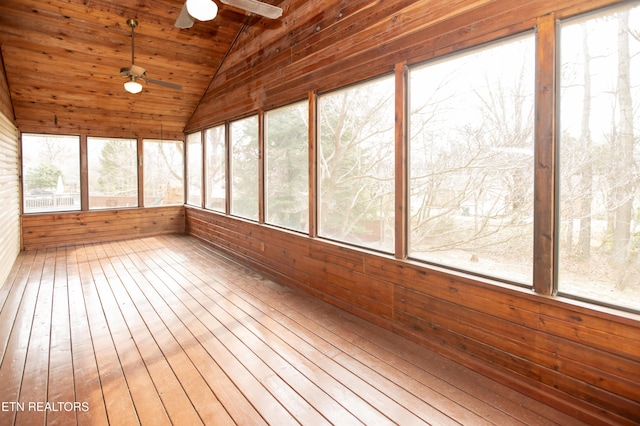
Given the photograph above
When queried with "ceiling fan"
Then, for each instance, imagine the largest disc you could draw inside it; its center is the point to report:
(135, 72)
(206, 10)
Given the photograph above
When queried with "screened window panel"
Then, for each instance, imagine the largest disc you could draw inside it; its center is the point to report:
(244, 167)
(113, 172)
(471, 160)
(356, 165)
(163, 172)
(194, 169)
(51, 173)
(215, 149)
(287, 167)
(599, 232)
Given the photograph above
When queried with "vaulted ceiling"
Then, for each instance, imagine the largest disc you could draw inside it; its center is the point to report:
(62, 60)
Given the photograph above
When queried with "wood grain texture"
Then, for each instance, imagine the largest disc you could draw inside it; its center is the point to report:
(6, 108)
(545, 155)
(401, 163)
(496, 329)
(326, 45)
(62, 61)
(61, 229)
(579, 360)
(165, 330)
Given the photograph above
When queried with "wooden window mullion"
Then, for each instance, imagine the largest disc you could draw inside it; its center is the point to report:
(401, 165)
(545, 157)
(313, 175)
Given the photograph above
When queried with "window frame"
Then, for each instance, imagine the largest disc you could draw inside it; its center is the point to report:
(407, 200)
(23, 172)
(145, 174)
(555, 288)
(392, 176)
(134, 163)
(197, 140)
(208, 179)
(232, 164)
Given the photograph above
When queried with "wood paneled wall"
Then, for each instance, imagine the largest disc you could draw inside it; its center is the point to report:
(582, 361)
(6, 107)
(10, 196)
(60, 229)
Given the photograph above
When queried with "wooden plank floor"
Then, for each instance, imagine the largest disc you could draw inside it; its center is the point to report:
(164, 330)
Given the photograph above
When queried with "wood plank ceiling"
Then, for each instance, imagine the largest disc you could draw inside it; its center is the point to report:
(62, 60)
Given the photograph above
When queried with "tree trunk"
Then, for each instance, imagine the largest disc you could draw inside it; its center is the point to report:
(586, 178)
(625, 189)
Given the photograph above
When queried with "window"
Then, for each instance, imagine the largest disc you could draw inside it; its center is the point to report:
(113, 172)
(163, 172)
(215, 149)
(599, 229)
(51, 173)
(471, 160)
(194, 169)
(287, 167)
(356, 164)
(244, 167)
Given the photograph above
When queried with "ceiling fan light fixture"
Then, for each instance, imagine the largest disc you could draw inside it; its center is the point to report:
(202, 10)
(132, 86)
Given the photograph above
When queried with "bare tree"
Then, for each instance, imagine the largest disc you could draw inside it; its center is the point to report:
(586, 176)
(471, 180)
(356, 163)
(624, 193)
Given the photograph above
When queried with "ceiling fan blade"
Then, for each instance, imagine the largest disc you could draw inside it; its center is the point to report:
(164, 83)
(257, 7)
(184, 20)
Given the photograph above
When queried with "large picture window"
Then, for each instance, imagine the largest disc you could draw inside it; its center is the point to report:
(163, 172)
(51, 173)
(287, 167)
(194, 169)
(244, 167)
(215, 149)
(599, 232)
(356, 165)
(113, 172)
(471, 160)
